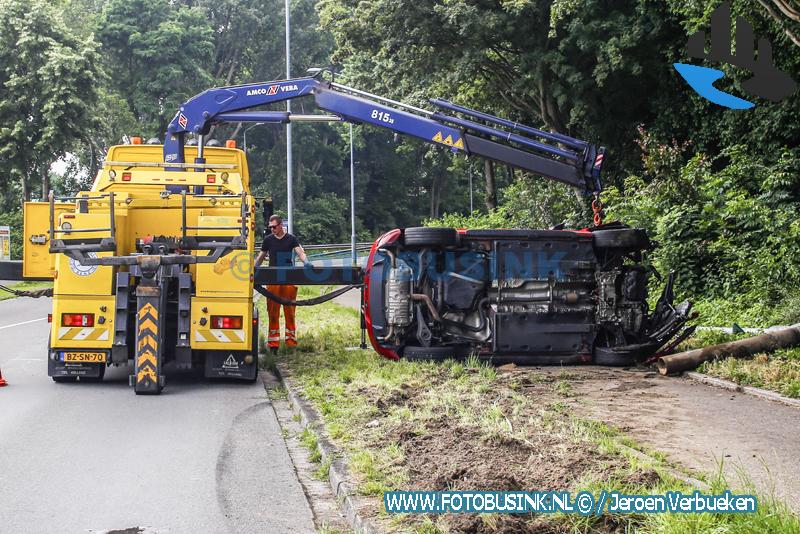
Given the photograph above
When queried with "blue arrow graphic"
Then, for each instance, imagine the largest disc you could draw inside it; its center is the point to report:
(702, 81)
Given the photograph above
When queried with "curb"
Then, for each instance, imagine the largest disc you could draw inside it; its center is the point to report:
(732, 386)
(346, 495)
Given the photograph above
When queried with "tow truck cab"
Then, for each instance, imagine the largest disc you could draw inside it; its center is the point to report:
(522, 296)
(151, 267)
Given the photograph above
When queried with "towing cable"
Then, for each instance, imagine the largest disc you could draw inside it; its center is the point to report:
(46, 292)
(308, 302)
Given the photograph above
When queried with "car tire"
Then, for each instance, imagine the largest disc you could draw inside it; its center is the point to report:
(430, 237)
(622, 238)
(428, 353)
(613, 357)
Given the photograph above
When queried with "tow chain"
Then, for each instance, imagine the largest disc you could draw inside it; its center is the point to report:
(597, 208)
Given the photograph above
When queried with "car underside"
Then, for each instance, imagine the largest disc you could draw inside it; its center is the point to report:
(532, 297)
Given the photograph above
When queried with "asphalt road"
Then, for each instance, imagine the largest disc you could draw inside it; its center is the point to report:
(202, 457)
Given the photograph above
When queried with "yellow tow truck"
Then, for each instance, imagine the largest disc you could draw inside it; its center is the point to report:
(152, 265)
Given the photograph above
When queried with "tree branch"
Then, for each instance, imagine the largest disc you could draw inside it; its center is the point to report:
(787, 9)
(793, 36)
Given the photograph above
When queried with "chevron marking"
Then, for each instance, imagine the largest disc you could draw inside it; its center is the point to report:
(148, 309)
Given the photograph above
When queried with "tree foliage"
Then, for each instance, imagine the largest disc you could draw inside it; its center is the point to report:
(48, 93)
(718, 188)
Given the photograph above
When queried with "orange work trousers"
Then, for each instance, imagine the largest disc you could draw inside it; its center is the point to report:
(274, 311)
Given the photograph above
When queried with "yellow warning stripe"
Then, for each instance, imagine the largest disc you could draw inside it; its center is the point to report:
(71, 333)
(83, 334)
(219, 336)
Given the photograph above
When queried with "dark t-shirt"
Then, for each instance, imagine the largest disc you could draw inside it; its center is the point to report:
(280, 250)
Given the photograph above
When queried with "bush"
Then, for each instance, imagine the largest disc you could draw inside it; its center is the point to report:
(727, 226)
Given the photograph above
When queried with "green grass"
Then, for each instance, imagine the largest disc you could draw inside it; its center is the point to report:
(364, 398)
(23, 286)
(779, 371)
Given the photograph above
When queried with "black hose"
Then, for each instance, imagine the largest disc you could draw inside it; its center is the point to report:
(308, 302)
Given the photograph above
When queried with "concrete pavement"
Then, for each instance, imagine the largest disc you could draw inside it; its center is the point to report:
(202, 457)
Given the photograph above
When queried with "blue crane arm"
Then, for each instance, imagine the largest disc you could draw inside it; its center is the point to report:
(555, 156)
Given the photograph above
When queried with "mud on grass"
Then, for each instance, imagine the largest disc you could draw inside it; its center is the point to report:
(463, 425)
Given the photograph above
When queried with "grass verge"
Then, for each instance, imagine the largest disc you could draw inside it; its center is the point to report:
(463, 425)
(778, 371)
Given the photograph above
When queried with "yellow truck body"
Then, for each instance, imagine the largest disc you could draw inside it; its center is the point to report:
(150, 266)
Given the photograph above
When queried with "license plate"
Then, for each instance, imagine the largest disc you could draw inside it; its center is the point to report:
(87, 357)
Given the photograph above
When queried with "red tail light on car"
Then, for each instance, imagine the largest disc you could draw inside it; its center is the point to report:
(77, 319)
(233, 322)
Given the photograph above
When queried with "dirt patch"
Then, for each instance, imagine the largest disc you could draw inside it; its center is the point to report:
(458, 458)
(447, 454)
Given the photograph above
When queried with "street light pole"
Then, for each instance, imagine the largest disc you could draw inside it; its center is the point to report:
(289, 193)
(471, 209)
(352, 201)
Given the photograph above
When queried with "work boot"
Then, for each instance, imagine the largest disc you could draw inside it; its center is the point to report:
(274, 350)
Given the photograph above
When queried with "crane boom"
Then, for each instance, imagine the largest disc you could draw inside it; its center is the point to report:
(555, 156)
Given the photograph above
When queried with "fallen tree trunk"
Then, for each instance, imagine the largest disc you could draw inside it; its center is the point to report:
(743, 348)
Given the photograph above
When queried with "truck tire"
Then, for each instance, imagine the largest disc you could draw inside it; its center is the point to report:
(255, 345)
(64, 379)
(430, 237)
(622, 238)
(96, 378)
(428, 353)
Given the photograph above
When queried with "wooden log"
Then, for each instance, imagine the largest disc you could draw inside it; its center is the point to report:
(743, 348)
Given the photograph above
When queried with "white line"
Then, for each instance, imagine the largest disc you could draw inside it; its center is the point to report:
(23, 322)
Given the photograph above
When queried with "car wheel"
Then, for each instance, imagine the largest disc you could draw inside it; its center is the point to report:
(428, 353)
(430, 237)
(614, 357)
(622, 238)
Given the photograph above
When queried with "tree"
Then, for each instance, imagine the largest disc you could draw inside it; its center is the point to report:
(157, 54)
(48, 89)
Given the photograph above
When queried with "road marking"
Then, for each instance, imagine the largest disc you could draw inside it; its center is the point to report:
(23, 322)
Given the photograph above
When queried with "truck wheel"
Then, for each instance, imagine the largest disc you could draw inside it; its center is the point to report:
(430, 237)
(96, 378)
(64, 379)
(428, 353)
(255, 347)
(622, 238)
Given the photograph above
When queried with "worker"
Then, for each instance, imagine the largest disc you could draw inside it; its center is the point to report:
(281, 247)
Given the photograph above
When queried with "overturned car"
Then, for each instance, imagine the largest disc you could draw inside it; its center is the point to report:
(533, 297)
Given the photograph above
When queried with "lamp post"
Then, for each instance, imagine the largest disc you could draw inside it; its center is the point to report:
(289, 200)
(471, 209)
(352, 201)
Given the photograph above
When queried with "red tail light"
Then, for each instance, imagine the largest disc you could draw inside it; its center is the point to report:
(77, 319)
(232, 322)
(211, 178)
(49, 317)
(126, 177)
